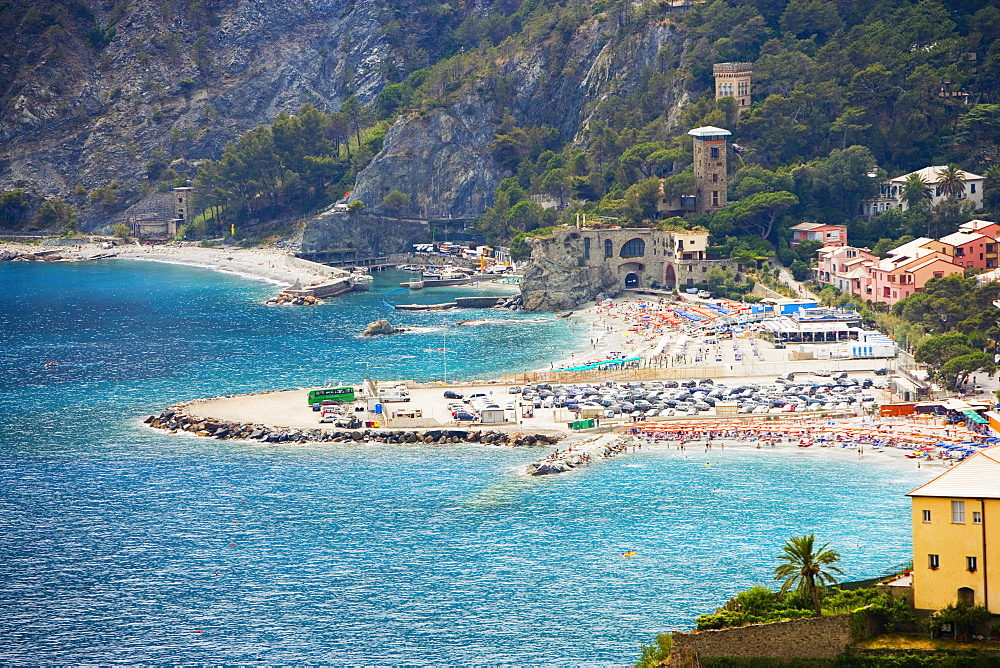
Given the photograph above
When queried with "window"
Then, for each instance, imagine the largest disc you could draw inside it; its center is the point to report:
(714, 152)
(972, 188)
(927, 516)
(977, 517)
(715, 178)
(958, 512)
(633, 248)
(933, 561)
(609, 250)
(970, 563)
(715, 198)
(586, 248)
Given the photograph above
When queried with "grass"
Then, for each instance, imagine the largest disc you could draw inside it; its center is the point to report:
(924, 642)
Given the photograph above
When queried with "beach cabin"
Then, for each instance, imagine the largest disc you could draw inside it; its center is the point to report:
(492, 416)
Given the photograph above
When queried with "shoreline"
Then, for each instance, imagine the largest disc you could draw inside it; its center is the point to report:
(261, 264)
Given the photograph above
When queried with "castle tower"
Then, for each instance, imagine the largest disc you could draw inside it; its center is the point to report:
(733, 80)
(182, 209)
(711, 161)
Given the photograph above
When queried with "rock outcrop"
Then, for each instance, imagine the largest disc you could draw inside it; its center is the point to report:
(553, 280)
(370, 235)
(381, 327)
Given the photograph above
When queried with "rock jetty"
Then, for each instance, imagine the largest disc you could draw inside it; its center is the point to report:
(294, 300)
(515, 303)
(577, 455)
(175, 419)
(381, 327)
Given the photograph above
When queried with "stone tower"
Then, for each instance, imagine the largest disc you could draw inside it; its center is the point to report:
(711, 162)
(182, 209)
(733, 80)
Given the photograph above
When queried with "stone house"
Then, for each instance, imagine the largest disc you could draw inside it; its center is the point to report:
(576, 264)
(956, 535)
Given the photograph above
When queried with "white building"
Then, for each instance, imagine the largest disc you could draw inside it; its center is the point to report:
(891, 192)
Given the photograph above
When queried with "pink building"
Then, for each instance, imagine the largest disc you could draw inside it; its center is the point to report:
(846, 268)
(829, 235)
(968, 249)
(899, 276)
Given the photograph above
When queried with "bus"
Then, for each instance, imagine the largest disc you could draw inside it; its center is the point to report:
(341, 395)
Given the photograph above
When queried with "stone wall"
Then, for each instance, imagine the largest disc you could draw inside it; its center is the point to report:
(810, 638)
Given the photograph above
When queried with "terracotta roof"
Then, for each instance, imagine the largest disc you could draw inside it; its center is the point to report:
(978, 477)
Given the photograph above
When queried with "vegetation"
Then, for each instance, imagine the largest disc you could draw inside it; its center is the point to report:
(807, 569)
(653, 655)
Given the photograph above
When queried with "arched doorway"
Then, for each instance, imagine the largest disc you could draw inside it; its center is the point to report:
(632, 280)
(966, 595)
(670, 278)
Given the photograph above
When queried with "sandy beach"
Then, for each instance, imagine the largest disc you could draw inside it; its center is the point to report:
(272, 265)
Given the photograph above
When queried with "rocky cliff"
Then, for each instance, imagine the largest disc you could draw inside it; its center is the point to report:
(369, 234)
(441, 158)
(554, 280)
(173, 85)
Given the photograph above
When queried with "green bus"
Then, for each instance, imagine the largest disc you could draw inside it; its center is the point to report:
(341, 395)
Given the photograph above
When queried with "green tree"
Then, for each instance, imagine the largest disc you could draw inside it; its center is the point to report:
(807, 569)
(396, 201)
(121, 231)
(950, 181)
(916, 191)
(13, 207)
(754, 215)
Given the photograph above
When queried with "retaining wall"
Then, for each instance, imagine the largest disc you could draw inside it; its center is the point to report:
(810, 638)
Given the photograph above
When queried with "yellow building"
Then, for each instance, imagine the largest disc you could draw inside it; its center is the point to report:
(956, 535)
(733, 80)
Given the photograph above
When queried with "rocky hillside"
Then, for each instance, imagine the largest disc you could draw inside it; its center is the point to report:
(101, 93)
(442, 158)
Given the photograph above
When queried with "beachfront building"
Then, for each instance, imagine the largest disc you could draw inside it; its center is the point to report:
(733, 80)
(846, 268)
(956, 535)
(638, 257)
(711, 175)
(890, 194)
(828, 235)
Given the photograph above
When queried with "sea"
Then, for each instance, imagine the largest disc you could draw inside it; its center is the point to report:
(124, 545)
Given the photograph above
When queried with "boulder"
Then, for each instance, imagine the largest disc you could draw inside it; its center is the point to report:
(380, 327)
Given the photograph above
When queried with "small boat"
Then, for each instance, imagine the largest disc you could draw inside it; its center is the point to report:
(630, 553)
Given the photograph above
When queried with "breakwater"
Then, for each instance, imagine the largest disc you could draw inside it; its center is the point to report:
(175, 419)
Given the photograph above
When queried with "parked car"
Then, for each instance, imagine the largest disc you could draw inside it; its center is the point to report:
(452, 394)
(462, 416)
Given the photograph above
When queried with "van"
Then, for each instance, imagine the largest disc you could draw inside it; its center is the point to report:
(393, 395)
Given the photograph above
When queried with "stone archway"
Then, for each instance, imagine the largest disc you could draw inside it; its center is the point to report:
(632, 280)
(670, 278)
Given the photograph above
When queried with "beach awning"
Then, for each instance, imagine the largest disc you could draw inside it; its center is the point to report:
(974, 416)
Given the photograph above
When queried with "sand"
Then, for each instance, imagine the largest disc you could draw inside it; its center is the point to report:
(272, 265)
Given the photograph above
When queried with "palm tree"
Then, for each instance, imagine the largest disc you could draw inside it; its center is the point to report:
(950, 181)
(804, 570)
(916, 190)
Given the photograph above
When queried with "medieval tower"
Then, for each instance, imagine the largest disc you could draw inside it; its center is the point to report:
(711, 162)
(733, 80)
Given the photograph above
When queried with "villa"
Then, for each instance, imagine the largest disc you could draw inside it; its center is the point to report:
(891, 192)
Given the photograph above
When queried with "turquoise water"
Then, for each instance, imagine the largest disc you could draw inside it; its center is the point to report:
(120, 544)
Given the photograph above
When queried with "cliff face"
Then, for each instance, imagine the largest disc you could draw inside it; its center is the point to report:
(441, 159)
(370, 235)
(554, 280)
(172, 82)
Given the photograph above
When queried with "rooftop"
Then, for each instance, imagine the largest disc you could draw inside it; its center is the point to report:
(931, 174)
(962, 238)
(708, 132)
(978, 477)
